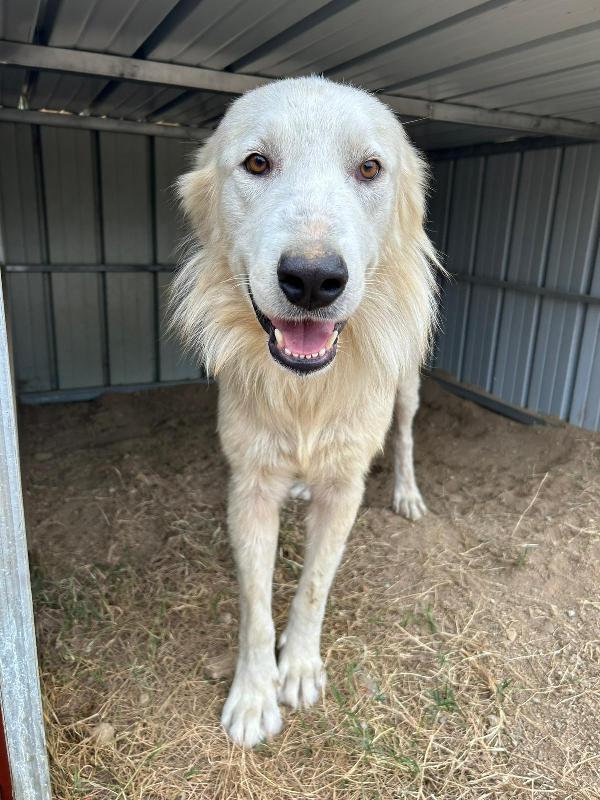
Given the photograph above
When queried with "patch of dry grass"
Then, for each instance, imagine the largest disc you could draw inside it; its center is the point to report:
(421, 702)
(463, 651)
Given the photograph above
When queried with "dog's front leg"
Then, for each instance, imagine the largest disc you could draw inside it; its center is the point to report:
(330, 519)
(251, 713)
(407, 497)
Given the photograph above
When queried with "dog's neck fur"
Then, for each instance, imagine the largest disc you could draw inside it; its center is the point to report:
(386, 336)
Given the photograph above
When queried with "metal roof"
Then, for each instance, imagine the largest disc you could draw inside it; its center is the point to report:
(538, 58)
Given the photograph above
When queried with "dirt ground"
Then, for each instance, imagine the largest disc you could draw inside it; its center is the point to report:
(463, 651)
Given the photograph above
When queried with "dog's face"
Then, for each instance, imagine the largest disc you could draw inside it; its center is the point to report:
(307, 174)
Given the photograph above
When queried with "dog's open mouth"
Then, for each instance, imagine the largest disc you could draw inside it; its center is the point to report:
(303, 346)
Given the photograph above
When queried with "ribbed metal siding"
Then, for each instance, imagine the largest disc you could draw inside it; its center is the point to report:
(128, 239)
(464, 206)
(171, 159)
(28, 296)
(530, 219)
(536, 196)
(71, 206)
(82, 198)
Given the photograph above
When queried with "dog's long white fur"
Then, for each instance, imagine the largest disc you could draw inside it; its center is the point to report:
(277, 427)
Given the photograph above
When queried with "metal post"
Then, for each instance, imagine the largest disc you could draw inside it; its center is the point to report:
(20, 699)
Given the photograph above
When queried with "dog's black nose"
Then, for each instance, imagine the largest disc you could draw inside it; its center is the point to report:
(312, 282)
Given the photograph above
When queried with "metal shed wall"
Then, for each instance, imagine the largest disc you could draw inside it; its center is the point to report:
(89, 228)
(521, 318)
(90, 231)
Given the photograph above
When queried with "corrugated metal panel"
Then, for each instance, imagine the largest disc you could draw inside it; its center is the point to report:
(128, 239)
(68, 158)
(27, 295)
(438, 218)
(351, 34)
(171, 159)
(460, 253)
(64, 92)
(585, 409)
(495, 228)
(526, 346)
(125, 173)
(112, 26)
(29, 303)
(527, 262)
(557, 51)
(540, 87)
(11, 84)
(21, 233)
(465, 37)
(106, 26)
(135, 100)
(219, 32)
(438, 210)
(175, 365)
(17, 24)
(71, 208)
(131, 325)
(106, 200)
(574, 238)
(214, 34)
(78, 303)
(194, 108)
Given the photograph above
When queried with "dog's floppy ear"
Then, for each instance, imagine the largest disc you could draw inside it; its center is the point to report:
(197, 191)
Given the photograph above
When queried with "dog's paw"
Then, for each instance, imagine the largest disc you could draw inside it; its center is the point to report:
(251, 713)
(299, 491)
(301, 677)
(409, 503)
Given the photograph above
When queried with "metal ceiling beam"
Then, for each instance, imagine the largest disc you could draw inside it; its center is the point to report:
(58, 120)
(473, 115)
(132, 69)
(83, 62)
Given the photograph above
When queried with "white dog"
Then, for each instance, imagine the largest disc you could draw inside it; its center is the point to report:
(311, 294)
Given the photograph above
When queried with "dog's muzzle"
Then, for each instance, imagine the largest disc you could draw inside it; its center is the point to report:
(303, 346)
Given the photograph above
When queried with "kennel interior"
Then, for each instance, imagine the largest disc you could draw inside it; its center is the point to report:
(102, 105)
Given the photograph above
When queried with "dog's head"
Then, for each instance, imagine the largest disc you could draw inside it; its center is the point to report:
(303, 184)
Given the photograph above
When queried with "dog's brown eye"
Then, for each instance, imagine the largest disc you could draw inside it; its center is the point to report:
(257, 164)
(369, 169)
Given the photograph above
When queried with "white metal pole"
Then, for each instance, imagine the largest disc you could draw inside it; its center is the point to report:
(20, 698)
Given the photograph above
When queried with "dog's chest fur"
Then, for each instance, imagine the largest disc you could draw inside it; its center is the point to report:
(314, 429)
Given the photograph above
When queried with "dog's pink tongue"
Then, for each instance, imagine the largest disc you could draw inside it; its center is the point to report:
(304, 337)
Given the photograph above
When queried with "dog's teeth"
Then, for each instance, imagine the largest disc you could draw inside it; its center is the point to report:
(331, 340)
(279, 337)
(295, 355)
(301, 355)
(308, 355)
(287, 352)
(322, 351)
